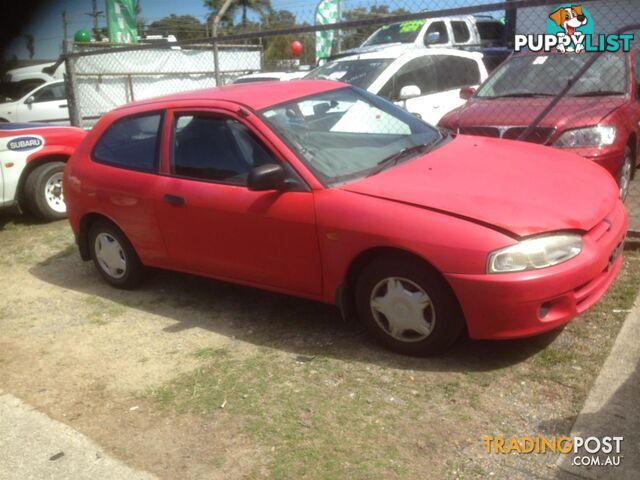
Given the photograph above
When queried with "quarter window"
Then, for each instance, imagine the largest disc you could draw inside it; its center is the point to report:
(460, 32)
(130, 143)
(216, 149)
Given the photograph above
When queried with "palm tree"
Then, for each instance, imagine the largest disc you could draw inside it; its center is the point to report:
(263, 7)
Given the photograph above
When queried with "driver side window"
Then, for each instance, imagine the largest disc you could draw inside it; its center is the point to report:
(50, 93)
(419, 72)
(217, 149)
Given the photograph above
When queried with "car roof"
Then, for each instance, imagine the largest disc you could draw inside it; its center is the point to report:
(401, 52)
(255, 95)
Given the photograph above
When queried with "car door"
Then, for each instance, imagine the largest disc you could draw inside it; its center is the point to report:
(46, 104)
(452, 73)
(214, 225)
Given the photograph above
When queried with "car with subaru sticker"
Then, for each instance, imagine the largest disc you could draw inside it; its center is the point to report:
(32, 159)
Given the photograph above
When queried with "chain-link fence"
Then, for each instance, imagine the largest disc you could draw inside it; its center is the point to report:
(440, 64)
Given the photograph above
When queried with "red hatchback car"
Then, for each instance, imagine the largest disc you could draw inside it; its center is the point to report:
(324, 191)
(598, 118)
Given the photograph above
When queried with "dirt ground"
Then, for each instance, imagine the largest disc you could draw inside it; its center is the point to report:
(192, 378)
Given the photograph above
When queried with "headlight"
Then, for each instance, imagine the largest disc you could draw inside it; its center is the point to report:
(536, 252)
(598, 136)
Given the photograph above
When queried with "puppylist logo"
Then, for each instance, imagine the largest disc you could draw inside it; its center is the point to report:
(570, 28)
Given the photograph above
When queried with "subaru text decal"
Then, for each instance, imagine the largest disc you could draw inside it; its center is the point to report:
(22, 144)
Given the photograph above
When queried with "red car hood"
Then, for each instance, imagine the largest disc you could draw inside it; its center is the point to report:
(522, 111)
(515, 186)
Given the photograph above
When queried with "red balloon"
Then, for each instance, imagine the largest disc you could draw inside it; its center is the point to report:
(296, 48)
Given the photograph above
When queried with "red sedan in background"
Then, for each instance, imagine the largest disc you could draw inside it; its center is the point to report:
(324, 191)
(598, 118)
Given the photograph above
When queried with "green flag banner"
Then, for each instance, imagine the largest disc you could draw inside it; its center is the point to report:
(326, 13)
(121, 20)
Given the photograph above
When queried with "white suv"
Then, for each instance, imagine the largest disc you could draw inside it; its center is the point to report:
(426, 82)
(45, 103)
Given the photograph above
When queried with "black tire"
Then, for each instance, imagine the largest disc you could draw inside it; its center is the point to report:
(448, 323)
(36, 189)
(629, 162)
(133, 273)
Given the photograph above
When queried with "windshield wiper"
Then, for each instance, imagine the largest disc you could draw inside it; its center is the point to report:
(393, 160)
(597, 93)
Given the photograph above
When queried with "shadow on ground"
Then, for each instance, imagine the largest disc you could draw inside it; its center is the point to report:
(294, 325)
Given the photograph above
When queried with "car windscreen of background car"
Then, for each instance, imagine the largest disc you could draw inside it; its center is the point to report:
(344, 134)
(405, 32)
(360, 73)
(547, 75)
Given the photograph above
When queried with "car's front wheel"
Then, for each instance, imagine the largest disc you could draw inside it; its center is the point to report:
(43, 192)
(408, 306)
(626, 172)
(114, 256)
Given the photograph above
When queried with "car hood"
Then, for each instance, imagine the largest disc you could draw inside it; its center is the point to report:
(521, 111)
(515, 187)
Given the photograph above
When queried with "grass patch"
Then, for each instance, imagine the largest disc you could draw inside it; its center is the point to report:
(101, 312)
(328, 417)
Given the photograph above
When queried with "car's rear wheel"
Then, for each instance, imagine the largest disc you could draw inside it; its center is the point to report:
(626, 172)
(114, 256)
(408, 306)
(43, 191)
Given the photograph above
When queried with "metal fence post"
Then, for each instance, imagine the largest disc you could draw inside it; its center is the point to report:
(71, 86)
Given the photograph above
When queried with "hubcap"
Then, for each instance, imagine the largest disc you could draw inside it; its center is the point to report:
(110, 256)
(53, 193)
(625, 177)
(402, 309)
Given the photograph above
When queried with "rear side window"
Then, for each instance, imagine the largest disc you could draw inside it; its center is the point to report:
(492, 31)
(130, 143)
(460, 32)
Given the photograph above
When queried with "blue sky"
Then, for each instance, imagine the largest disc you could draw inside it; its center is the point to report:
(46, 26)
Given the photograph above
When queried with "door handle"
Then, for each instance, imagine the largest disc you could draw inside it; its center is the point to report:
(173, 199)
(63, 106)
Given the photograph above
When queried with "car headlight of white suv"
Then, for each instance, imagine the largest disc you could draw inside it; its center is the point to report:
(596, 136)
(534, 253)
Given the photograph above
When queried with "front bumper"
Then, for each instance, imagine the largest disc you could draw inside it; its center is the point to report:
(512, 305)
(609, 158)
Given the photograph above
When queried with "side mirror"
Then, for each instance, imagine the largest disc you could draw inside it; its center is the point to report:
(467, 92)
(410, 91)
(30, 100)
(267, 177)
(431, 38)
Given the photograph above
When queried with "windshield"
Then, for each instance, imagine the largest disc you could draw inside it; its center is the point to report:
(361, 73)
(405, 32)
(345, 134)
(547, 75)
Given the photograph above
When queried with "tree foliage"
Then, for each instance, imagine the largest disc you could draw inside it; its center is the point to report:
(184, 27)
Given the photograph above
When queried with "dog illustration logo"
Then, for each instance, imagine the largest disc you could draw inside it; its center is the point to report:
(570, 28)
(570, 19)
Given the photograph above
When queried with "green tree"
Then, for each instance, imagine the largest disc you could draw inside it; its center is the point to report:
(354, 37)
(262, 7)
(184, 27)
